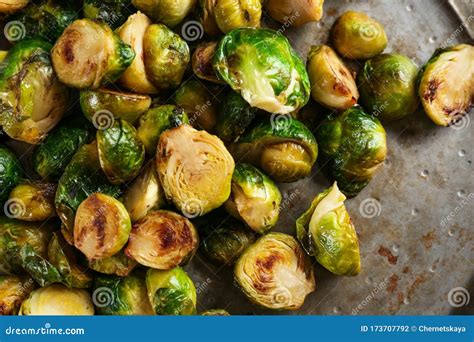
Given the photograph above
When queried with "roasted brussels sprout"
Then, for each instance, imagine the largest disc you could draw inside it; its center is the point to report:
(355, 35)
(255, 199)
(162, 240)
(171, 292)
(144, 194)
(31, 97)
(11, 6)
(215, 312)
(326, 231)
(226, 242)
(275, 272)
(35, 201)
(155, 121)
(332, 84)
(206, 17)
(202, 62)
(63, 257)
(13, 291)
(10, 172)
(56, 151)
(132, 32)
(166, 56)
(195, 169)
(101, 226)
(121, 153)
(14, 235)
(446, 84)
(113, 12)
(82, 177)
(199, 103)
(57, 299)
(295, 12)
(168, 12)
(235, 115)
(120, 105)
(232, 14)
(284, 148)
(45, 19)
(118, 264)
(89, 54)
(387, 86)
(352, 147)
(121, 296)
(264, 68)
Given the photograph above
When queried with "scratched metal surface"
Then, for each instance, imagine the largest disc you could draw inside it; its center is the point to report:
(411, 258)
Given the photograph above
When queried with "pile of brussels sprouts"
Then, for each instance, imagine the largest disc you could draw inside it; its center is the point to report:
(148, 145)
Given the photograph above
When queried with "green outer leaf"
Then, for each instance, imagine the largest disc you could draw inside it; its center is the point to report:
(118, 264)
(10, 172)
(38, 267)
(113, 12)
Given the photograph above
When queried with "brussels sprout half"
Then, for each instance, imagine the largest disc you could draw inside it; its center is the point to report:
(171, 292)
(121, 152)
(202, 59)
(295, 12)
(255, 199)
(332, 84)
(326, 231)
(387, 86)
(275, 272)
(118, 264)
(166, 56)
(31, 97)
(89, 54)
(264, 68)
(446, 84)
(11, 6)
(125, 106)
(10, 172)
(121, 296)
(162, 240)
(13, 291)
(132, 32)
(284, 148)
(355, 35)
(101, 226)
(113, 12)
(195, 169)
(168, 12)
(57, 299)
(155, 121)
(215, 312)
(232, 14)
(35, 201)
(352, 147)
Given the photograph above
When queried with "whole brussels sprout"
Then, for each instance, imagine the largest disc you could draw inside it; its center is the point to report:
(326, 231)
(199, 103)
(113, 12)
(162, 240)
(121, 296)
(332, 84)
(215, 312)
(57, 299)
(132, 32)
(157, 120)
(82, 177)
(235, 115)
(101, 226)
(275, 273)
(121, 105)
(262, 66)
(171, 292)
(166, 56)
(284, 148)
(355, 35)
(446, 84)
(168, 12)
(232, 14)
(387, 86)
(202, 62)
(55, 152)
(31, 97)
(195, 169)
(35, 201)
(352, 146)
(89, 54)
(118, 264)
(145, 193)
(255, 199)
(295, 12)
(11, 6)
(13, 291)
(10, 172)
(121, 152)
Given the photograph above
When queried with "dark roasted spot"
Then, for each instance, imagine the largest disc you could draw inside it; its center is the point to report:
(392, 259)
(430, 93)
(167, 236)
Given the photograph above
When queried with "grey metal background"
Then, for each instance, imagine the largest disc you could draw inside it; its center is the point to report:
(410, 259)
